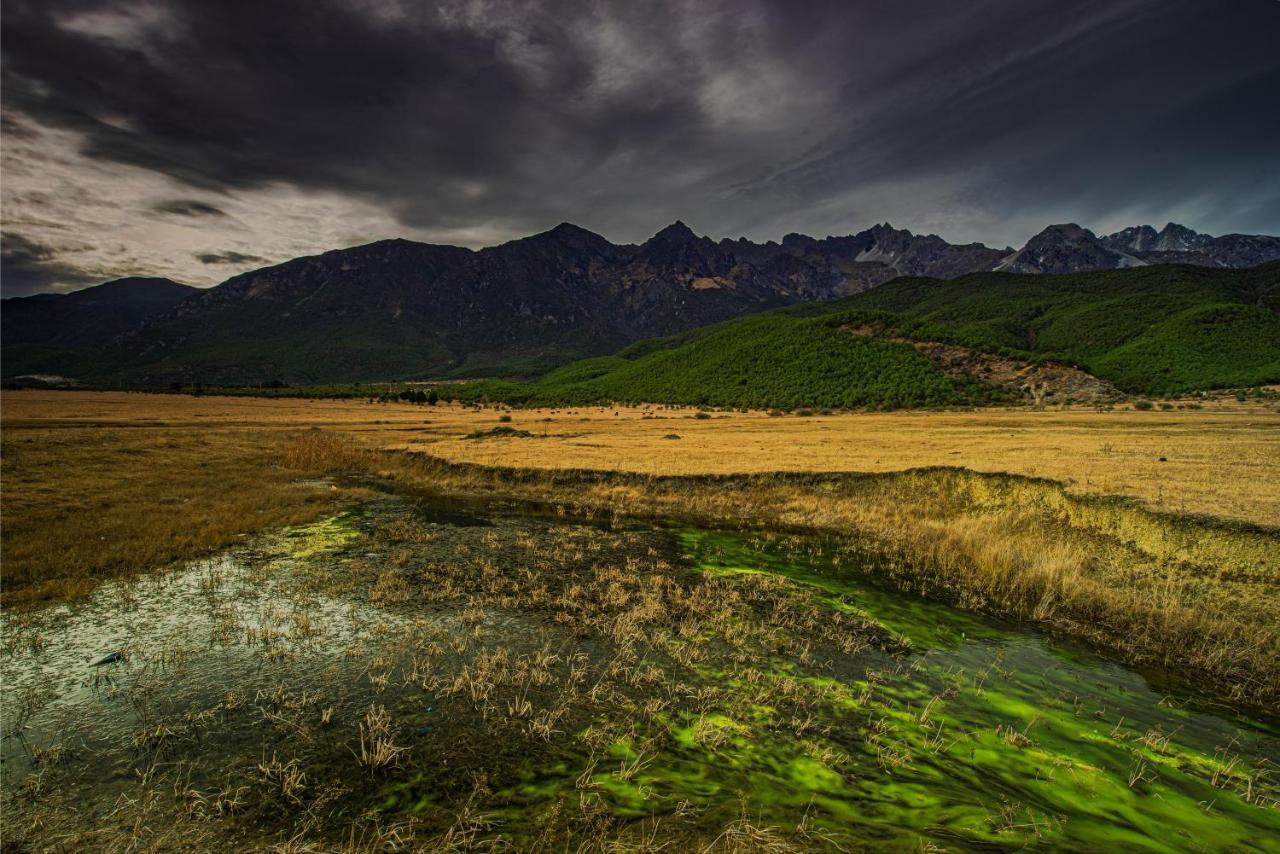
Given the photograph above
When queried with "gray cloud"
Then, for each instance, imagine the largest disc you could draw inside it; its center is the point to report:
(188, 207)
(27, 267)
(476, 120)
(229, 257)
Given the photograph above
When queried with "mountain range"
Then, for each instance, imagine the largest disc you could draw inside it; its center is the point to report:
(401, 309)
(1076, 338)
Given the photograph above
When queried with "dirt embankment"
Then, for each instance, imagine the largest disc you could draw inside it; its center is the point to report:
(1036, 382)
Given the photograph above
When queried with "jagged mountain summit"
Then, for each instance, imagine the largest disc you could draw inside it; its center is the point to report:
(1144, 238)
(1068, 248)
(1178, 244)
(402, 309)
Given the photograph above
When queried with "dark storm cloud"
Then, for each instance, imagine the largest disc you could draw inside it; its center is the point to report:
(982, 120)
(229, 257)
(188, 207)
(27, 267)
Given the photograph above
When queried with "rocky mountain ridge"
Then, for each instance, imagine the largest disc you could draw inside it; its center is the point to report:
(400, 308)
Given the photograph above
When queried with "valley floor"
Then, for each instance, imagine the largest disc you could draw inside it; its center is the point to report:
(636, 628)
(1221, 459)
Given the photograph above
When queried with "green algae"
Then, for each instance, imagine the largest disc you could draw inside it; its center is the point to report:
(984, 735)
(984, 717)
(981, 735)
(317, 539)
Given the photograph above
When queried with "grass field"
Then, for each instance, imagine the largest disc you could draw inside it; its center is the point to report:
(787, 616)
(102, 484)
(1220, 460)
(127, 501)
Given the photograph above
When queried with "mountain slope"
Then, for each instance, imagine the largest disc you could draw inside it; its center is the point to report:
(49, 333)
(1160, 329)
(1066, 249)
(762, 361)
(398, 309)
(1178, 244)
(402, 309)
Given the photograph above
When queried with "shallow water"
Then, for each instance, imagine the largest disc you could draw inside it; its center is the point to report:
(982, 735)
(84, 677)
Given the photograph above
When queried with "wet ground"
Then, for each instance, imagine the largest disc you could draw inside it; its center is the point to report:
(461, 677)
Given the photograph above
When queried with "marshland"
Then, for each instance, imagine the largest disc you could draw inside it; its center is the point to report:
(310, 625)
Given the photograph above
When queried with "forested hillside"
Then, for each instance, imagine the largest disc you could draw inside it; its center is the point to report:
(1152, 330)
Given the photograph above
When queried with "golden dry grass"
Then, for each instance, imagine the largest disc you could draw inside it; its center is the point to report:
(86, 502)
(97, 483)
(1222, 460)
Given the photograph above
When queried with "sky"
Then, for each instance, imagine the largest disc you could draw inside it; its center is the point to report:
(196, 139)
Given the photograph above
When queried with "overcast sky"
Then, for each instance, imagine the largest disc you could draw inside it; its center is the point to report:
(197, 139)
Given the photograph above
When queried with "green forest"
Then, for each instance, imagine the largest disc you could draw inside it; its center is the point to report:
(1151, 331)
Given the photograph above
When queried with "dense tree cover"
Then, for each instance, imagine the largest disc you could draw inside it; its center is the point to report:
(765, 361)
(1154, 330)
(1216, 346)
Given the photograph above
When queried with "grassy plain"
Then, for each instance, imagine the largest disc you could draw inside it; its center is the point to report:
(97, 484)
(383, 681)
(1220, 460)
(88, 498)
